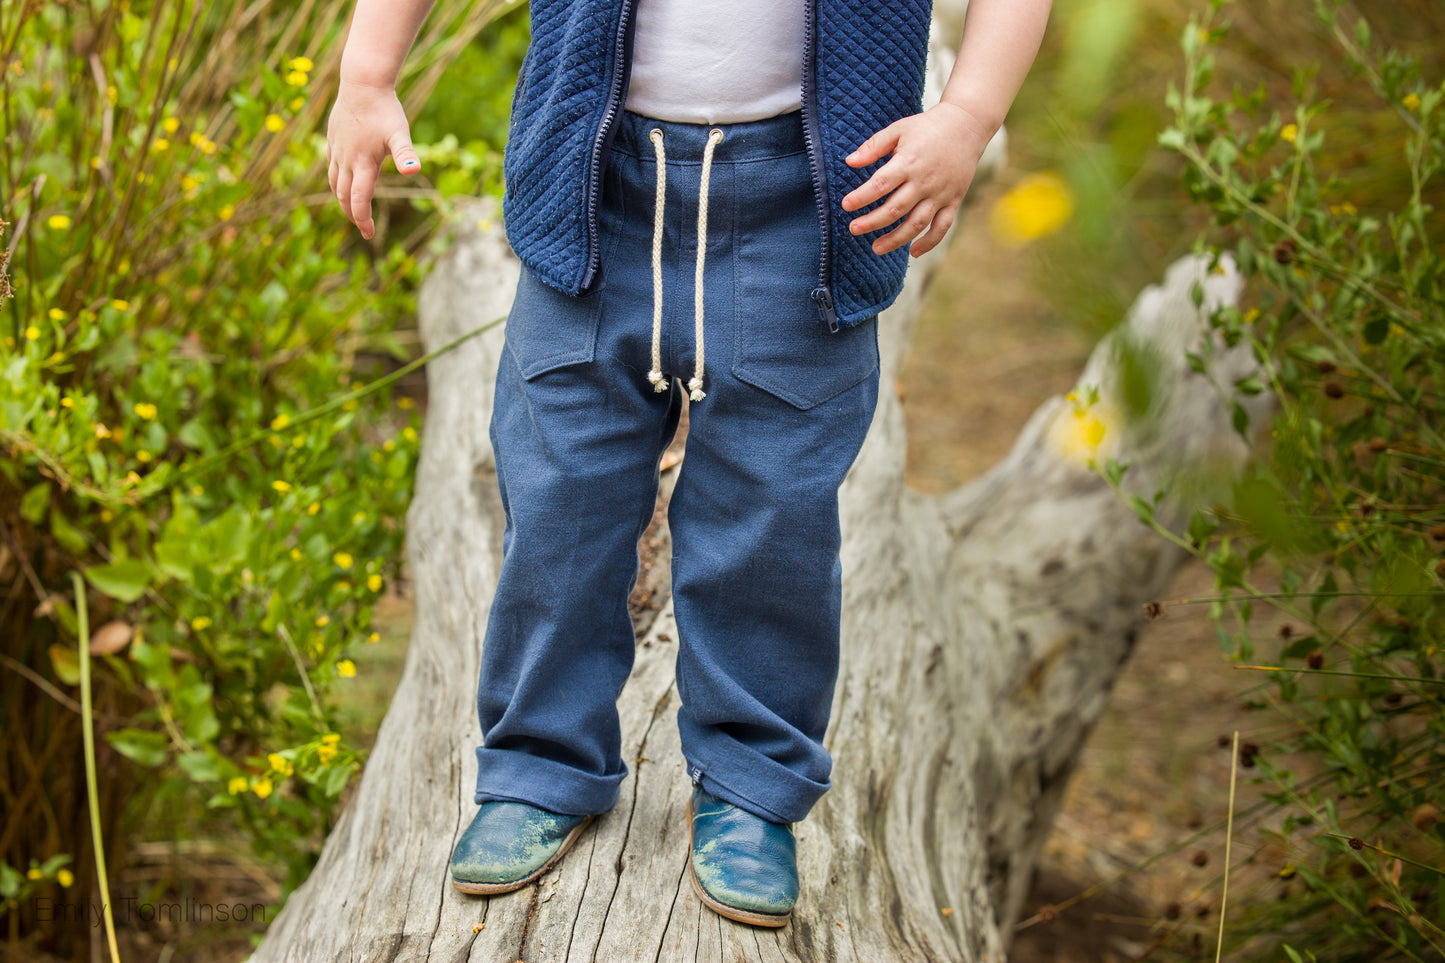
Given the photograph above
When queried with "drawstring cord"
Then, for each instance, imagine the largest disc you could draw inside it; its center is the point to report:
(694, 386)
(655, 375)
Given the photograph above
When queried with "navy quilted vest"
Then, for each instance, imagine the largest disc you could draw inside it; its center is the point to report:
(863, 70)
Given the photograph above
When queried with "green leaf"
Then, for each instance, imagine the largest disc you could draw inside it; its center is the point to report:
(200, 766)
(125, 580)
(33, 505)
(71, 538)
(336, 780)
(66, 663)
(146, 748)
(1376, 329)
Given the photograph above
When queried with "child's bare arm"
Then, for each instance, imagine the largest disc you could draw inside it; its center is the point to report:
(367, 121)
(935, 153)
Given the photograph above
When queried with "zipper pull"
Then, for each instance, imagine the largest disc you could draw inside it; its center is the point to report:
(823, 298)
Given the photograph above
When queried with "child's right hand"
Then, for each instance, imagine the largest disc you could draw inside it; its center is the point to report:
(367, 123)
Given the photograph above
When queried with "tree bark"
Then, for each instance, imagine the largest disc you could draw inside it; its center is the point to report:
(982, 632)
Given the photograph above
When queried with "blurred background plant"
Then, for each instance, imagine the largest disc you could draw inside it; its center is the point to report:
(1318, 163)
(201, 410)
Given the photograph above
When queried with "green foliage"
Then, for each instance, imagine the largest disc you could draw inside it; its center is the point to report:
(1346, 512)
(186, 415)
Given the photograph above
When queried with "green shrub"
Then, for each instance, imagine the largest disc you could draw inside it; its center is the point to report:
(196, 412)
(1332, 212)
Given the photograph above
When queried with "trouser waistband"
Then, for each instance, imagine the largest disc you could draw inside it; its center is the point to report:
(749, 141)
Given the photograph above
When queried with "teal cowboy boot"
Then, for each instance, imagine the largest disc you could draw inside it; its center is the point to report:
(509, 844)
(742, 866)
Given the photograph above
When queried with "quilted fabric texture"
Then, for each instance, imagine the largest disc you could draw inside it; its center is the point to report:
(869, 73)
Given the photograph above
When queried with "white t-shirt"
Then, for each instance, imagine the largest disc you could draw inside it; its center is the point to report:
(716, 61)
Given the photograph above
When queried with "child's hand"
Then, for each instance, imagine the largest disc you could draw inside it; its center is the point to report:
(367, 123)
(935, 155)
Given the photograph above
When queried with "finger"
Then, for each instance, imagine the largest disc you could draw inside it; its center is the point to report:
(403, 154)
(915, 224)
(884, 179)
(363, 185)
(879, 145)
(331, 174)
(897, 205)
(942, 221)
(343, 191)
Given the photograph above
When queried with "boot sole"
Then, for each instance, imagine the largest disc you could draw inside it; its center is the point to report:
(722, 909)
(492, 889)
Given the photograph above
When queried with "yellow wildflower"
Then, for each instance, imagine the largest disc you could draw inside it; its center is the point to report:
(373, 638)
(325, 753)
(346, 668)
(297, 78)
(280, 421)
(96, 163)
(313, 508)
(106, 515)
(171, 125)
(120, 304)
(297, 102)
(280, 763)
(1077, 435)
(331, 738)
(358, 518)
(189, 183)
(208, 147)
(298, 441)
(31, 333)
(110, 94)
(405, 404)
(160, 144)
(1411, 101)
(33, 873)
(57, 222)
(131, 478)
(236, 785)
(301, 63)
(1035, 207)
(200, 623)
(101, 431)
(274, 123)
(350, 404)
(389, 444)
(263, 786)
(1290, 132)
(281, 486)
(373, 582)
(56, 314)
(145, 409)
(143, 456)
(55, 358)
(65, 878)
(343, 559)
(67, 402)
(198, 490)
(343, 586)
(296, 554)
(409, 433)
(227, 212)
(197, 138)
(322, 621)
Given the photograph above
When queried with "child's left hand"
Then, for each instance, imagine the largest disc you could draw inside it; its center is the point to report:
(935, 155)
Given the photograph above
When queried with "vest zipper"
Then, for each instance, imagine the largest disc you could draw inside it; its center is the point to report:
(621, 67)
(813, 136)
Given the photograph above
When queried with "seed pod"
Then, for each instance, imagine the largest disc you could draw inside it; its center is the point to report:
(1324, 366)
(1334, 389)
(1437, 532)
(1425, 818)
(1357, 843)
(1200, 858)
(1285, 251)
(1315, 660)
(1377, 445)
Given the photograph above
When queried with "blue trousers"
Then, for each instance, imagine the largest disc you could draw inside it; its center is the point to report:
(578, 432)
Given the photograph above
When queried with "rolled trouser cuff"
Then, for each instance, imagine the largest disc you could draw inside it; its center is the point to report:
(554, 786)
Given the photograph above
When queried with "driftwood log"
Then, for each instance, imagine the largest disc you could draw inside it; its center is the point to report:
(982, 632)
